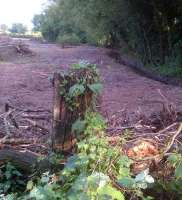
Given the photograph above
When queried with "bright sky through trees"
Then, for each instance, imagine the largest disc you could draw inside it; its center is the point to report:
(19, 11)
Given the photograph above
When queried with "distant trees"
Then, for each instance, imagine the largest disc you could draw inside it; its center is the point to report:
(18, 28)
(3, 28)
(152, 29)
(37, 22)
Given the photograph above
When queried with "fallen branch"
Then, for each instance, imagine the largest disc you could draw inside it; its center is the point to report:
(40, 117)
(35, 124)
(28, 110)
(13, 141)
(165, 152)
(173, 139)
(27, 160)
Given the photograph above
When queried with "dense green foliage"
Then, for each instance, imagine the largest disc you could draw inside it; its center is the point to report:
(151, 29)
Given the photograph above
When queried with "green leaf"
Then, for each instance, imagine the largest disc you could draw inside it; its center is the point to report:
(111, 192)
(127, 182)
(95, 88)
(79, 126)
(124, 161)
(8, 174)
(77, 161)
(124, 172)
(178, 171)
(38, 193)
(98, 180)
(76, 90)
(174, 159)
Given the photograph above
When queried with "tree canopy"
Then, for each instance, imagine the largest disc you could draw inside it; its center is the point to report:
(152, 29)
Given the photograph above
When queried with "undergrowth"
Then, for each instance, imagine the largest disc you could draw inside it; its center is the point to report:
(169, 70)
(96, 171)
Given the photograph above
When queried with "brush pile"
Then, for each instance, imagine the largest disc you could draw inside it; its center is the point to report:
(10, 48)
(151, 139)
(25, 129)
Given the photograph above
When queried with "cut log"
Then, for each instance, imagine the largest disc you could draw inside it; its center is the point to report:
(26, 161)
(22, 160)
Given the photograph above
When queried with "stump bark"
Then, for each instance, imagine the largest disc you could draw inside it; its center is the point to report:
(63, 118)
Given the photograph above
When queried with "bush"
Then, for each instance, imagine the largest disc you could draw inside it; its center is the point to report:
(68, 39)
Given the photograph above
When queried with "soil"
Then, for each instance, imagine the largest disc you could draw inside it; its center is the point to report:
(24, 80)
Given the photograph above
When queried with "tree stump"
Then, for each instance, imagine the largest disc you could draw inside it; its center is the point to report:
(63, 117)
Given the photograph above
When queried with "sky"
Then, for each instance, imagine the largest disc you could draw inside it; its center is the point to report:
(19, 11)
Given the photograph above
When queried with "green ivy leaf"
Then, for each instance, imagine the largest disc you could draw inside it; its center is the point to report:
(76, 90)
(174, 159)
(127, 182)
(95, 88)
(178, 171)
(124, 172)
(79, 126)
(111, 192)
(8, 174)
(76, 161)
(98, 179)
(124, 161)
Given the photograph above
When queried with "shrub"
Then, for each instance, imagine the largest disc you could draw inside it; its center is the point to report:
(68, 39)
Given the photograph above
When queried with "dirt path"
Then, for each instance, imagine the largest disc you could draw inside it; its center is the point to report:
(24, 81)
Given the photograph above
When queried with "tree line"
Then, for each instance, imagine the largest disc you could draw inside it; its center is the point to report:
(151, 29)
(16, 28)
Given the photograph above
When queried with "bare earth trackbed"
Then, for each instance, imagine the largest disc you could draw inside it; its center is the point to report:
(24, 80)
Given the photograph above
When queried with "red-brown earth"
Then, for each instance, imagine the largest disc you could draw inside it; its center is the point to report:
(24, 81)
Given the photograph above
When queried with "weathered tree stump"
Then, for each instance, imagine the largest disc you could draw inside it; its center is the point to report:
(63, 116)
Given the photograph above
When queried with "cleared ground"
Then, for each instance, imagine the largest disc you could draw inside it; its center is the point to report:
(24, 80)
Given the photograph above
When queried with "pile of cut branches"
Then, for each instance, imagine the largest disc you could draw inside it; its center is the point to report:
(24, 128)
(151, 139)
(10, 47)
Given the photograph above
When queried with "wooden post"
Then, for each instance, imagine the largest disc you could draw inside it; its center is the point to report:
(63, 118)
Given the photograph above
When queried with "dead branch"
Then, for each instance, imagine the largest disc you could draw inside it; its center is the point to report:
(165, 152)
(173, 139)
(14, 141)
(35, 124)
(6, 123)
(40, 117)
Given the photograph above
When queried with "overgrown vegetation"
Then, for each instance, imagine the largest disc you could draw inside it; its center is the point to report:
(97, 170)
(151, 29)
(89, 81)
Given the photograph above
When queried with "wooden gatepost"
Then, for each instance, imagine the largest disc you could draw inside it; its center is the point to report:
(72, 97)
